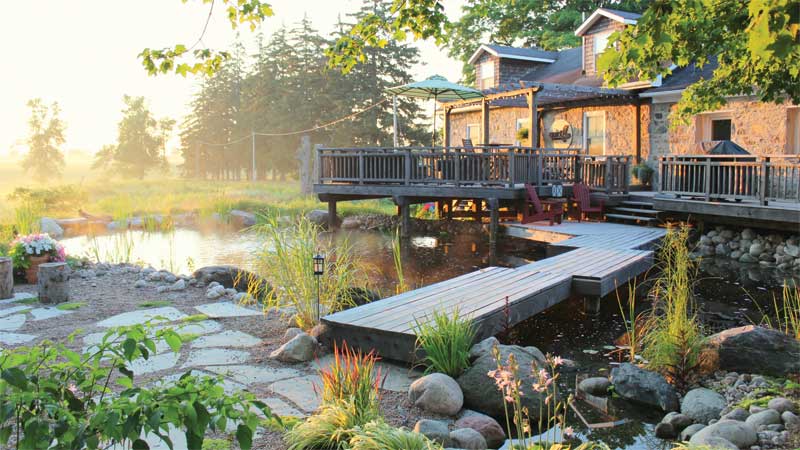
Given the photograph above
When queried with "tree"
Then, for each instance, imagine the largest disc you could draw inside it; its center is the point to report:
(140, 140)
(756, 45)
(532, 23)
(46, 136)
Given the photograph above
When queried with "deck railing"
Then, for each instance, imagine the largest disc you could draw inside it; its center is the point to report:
(474, 166)
(732, 177)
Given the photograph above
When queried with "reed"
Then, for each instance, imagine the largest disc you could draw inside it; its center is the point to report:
(787, 312)
(635, 324)
(397, 256)
(446, 340)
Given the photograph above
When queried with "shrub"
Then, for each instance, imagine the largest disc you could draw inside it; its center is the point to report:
(446, 340)
(674, 336)
(352, 378)
(378, 435)
(331, 427)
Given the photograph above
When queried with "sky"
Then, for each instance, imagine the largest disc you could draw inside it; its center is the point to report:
(83, 54)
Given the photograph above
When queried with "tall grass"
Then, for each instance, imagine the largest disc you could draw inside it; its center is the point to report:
(285, 261)
(635, 324)
(787, 313)
(674, 338)
(446, 340)
(378, 435)
(397, 256)
(118, 250)
(330, 428)
(352, 377)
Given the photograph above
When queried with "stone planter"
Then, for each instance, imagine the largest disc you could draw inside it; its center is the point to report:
(32, 272)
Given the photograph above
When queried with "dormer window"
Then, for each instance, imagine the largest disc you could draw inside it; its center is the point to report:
(600, 43)
(487, 74)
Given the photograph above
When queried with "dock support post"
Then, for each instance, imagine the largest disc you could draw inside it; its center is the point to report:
(494, 223)
(404, 208)
(333, 223)
(591, 305)
(450, 203)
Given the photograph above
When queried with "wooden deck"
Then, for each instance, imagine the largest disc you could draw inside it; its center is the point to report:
(592, 259)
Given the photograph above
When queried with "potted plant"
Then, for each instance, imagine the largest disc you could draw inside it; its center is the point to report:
(29, 251)
(643, 173)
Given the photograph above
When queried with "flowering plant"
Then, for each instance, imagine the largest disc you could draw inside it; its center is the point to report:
(40, 244)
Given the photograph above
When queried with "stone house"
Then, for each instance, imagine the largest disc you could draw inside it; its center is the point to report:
(633, 119)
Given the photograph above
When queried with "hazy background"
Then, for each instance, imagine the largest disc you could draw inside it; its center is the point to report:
(83, 54)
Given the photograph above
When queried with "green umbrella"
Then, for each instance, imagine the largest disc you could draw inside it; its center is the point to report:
(437, 88)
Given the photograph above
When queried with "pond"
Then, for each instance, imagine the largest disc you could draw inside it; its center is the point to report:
(730, 294)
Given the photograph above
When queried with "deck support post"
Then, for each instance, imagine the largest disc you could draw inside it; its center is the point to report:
(485, 122)
(333, 223)
(494, 224)
(450, 203)
(591, 305)
(404, 206)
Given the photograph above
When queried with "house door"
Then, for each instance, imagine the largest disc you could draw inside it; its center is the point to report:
(594, 132)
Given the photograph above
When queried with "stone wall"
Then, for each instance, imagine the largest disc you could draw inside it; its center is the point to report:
(502, 125)
(620, 127)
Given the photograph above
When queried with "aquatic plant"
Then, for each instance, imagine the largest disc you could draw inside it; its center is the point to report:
(787, 313)
(378, 435)
(284, 260)
(635, 324)
(446, 339)
(118, 250)
(397, 256)
(552, 420)
(674, 335)
(352, 377)
(331, 427)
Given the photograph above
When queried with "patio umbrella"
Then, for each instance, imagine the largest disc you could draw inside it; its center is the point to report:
(437, 88)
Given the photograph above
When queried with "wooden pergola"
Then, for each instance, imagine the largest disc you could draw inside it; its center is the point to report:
(536, 96)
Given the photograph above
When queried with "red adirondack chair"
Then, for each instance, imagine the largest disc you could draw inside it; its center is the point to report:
(580, 195)
(553, 212)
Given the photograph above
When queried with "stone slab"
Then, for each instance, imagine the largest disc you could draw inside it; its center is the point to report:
(15, 338)
(300, 391)
(215, 357)
(17, 297)
(155, 363)
(12, 323)
(226, 309)
(47, 313)
(167, 314)
(199, 328)
(228, 338)
(13, 309)
(92, 340)
(281, 408)
(250, 375)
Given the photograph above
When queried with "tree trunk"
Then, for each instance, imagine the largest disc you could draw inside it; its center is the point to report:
(6, 278)
(53, 283)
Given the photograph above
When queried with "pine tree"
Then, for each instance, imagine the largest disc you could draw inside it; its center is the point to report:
(46, 136)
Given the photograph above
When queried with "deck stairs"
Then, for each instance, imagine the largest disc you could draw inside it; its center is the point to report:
(636, 209)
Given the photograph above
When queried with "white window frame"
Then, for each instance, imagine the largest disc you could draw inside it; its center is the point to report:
(586, 116)
(520, 124)
(597, 48)
(476, 126)
(487, 71)
(703, 125)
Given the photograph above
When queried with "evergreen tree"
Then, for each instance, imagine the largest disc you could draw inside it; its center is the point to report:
(46, 136)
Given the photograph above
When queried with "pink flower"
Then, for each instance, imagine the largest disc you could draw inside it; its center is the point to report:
(72, 388)
(569, 432)
(557, 361)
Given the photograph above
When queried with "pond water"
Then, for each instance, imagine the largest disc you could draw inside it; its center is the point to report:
(730, 294)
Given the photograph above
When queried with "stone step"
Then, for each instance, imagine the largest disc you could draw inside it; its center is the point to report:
(637, 211)
(629, 217)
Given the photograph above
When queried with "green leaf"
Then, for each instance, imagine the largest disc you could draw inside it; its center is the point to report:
(129, 348)
(140, 444)
(174, 341)
(244, 435)
(15, 377)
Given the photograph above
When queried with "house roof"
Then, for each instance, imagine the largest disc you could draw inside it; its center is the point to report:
(566, 69)
(682, 77)
(626, 17)
(525, 54)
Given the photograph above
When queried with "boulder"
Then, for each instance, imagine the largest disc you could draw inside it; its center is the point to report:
(435, 430)
(351, 223)
(739, 434)
(755, 349)
(231, 277)
(792, 250)
(215, 292)
(718, 443)
(242, 219)
(491, 431)
(467, 438)
(319, 217)
(51, 227)
(300, 349)
(677, 420)
(480, 391)
(702, 405)
(483, 347)
(645, 387)
(736, 414)
(763, 418)
(178, 285)
(756, 249)
(781, 404)
(595, 386)
(690, 431)
(790, 419)
(140, 284)
(747, 258)
(665, 430)
(437, 393)
(291, 333)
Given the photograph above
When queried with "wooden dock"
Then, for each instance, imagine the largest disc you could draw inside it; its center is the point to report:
(591, 259)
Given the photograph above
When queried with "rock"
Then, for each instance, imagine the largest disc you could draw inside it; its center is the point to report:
(322, 333)
(51, 227)
(645, 387)
(232, 277)
(291, 333)
(480, 391)
(483, 347)
(319, 217)
(242, 219)
(215, 292)
(154, 276)
(140, 284)
(739, 434)
(755, 349)
(703, 405)
(766, 417)
(435, 430)
(747, 258)
(718, 443)
(721, 249)
(301, 348)
(736, 414)
(756, 249)
(690, 431)
(792, 250)
(665, 430)
(726, 234)
(595, 386)
(162, 289)
(781, 404)
(168, 277)
(491, 431)
(677, 420)
(467, 438)
(437, 393)
(754, 409)
(178, 286)
(351, 223)
(231, 292)
(706, 250)
(775, 427)
(736, 254)
(790, 419)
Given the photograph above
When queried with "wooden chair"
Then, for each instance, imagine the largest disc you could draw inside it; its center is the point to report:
(467, 143)
(553, 212)
(580, 195)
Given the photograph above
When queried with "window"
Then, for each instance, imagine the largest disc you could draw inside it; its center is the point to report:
(600, 43)
(793, 130)
(594, 132)
(721, 129)
(474, 133)
(487, 75)
(522, 123)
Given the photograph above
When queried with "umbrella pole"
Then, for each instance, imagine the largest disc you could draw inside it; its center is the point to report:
(394, 121)
(433, 137)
